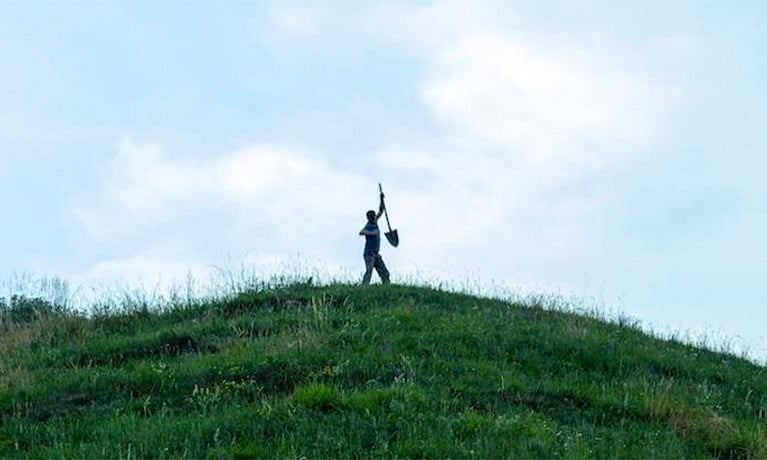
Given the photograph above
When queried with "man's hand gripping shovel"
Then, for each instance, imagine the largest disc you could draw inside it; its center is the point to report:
(391, 235)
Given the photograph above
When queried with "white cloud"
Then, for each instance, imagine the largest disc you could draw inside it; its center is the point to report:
(515, 95)
(142, 185)
(154, 206)
(301, 21)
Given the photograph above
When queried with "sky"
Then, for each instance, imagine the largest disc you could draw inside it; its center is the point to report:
(597, 150)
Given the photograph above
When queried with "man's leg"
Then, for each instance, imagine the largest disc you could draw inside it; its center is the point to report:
(369, 262)
(380, 267)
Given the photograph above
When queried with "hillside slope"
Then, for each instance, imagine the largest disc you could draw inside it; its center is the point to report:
(340, 371)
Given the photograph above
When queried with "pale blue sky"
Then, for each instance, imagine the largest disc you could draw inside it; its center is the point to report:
(610, 150)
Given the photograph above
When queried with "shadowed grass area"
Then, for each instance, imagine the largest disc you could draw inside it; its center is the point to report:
(349, 371)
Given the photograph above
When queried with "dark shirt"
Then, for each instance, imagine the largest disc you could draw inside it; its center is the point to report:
(372, 242)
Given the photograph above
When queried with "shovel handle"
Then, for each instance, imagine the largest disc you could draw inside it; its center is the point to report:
(380, 189)
(386, 213)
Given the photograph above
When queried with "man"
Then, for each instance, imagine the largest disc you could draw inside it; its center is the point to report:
(373, 246)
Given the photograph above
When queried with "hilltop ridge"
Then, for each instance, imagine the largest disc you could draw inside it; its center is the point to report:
(348, 371)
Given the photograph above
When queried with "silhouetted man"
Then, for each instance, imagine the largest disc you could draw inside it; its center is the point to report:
(373, 246)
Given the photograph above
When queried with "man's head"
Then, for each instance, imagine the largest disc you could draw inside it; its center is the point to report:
(371, 215)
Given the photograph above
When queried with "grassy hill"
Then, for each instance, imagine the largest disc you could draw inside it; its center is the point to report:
(350, 371)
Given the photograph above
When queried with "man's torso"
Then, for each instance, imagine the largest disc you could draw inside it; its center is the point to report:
(372, 242)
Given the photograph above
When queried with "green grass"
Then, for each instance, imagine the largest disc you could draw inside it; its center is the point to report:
(347, 371)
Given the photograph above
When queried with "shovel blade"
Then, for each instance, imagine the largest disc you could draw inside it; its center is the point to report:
(392, 237)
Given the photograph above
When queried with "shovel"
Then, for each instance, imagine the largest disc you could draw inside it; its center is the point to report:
(391, 235)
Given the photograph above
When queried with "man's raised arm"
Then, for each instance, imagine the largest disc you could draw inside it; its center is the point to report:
(381, 207)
